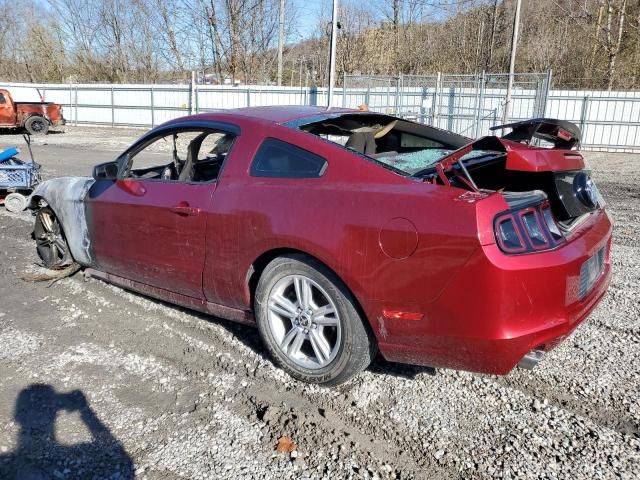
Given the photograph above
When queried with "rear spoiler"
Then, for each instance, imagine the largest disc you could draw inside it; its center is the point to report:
(561, 133)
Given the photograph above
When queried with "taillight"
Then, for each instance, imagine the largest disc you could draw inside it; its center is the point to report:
(551, 224)
(534, 229)
(530, 229)
(509, 238)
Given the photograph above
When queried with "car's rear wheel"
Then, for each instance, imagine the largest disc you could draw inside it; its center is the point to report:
(36, 125)
(51, 243)
(309, 322)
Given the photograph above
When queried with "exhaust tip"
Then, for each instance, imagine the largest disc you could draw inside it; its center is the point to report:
(531, 359)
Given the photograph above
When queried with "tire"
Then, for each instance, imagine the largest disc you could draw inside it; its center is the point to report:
(323, 340)
(15, 202)
(36, 125)
(51, 243)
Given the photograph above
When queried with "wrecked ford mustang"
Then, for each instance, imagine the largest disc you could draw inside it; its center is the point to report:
(341, 233)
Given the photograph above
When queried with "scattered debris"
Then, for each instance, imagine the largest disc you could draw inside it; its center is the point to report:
(286, 445)
(52, 277)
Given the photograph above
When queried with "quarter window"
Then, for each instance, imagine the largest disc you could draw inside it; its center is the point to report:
(278, 159)
(2, 100)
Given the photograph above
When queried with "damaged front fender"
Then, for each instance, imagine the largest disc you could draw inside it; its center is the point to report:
(65, 196)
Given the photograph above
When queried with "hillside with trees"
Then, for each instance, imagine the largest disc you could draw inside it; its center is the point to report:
(587, 43)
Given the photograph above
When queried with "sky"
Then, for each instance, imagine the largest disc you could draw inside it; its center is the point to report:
(310, 11)
(308, 14)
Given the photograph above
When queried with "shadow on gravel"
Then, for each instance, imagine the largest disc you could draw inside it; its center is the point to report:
(39, 455)
(249, 336)
(400, 370)
(7, 132)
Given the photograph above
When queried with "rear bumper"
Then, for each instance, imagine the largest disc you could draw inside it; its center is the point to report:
(499, 307)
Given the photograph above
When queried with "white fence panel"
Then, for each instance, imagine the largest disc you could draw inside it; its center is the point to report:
(609, 120)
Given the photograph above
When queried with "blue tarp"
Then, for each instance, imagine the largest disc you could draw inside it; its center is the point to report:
(9, 153)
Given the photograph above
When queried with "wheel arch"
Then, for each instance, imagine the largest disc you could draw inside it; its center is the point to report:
(29, 115)
(33, 203)
(65, 196)
(258, 266)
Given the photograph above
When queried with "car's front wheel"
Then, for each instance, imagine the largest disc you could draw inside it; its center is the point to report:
(309, 322)
(51, 243)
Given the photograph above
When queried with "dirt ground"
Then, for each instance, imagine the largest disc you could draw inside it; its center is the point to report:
(96, 382)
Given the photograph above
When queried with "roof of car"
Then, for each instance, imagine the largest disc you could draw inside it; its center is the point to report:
(275, 114)
(286, 113)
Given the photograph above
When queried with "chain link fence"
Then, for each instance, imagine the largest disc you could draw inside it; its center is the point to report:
(466, 104)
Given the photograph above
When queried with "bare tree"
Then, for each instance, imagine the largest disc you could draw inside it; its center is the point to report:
(615, 14)
(594, 43)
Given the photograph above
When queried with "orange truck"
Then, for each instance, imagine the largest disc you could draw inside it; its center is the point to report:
(35, 117)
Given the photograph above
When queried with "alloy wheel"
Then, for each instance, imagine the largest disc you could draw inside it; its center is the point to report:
(49, 240)
(304, 322)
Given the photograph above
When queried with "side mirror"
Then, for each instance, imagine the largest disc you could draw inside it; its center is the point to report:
(106, 171)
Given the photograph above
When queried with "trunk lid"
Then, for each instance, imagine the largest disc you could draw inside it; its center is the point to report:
(507, 165)
(558, 133)
(519, 156)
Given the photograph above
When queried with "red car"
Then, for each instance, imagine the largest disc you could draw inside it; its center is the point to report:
(341, 233)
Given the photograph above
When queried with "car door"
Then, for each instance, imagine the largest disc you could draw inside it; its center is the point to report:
(149, 224)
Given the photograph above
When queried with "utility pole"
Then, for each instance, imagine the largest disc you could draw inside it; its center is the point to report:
(514, 47)
(332, 54)
(280, 41)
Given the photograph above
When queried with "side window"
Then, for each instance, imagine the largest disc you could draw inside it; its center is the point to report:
(215, 144)
(2, 99)
(155, 155)
(279, 159)
(182, 155)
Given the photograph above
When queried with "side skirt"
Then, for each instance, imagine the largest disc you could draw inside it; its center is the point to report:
(240, 316)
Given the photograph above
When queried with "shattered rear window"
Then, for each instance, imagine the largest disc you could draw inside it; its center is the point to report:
(400, 145)
(413, 162)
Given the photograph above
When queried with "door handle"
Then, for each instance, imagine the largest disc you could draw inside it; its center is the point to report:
(184, 209)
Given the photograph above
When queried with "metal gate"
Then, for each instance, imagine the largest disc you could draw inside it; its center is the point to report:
(466, 104)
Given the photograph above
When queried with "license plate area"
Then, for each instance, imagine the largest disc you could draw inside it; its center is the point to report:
(590, 272)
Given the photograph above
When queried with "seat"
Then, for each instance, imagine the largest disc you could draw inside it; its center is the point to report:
(362, 142)
(188, 170)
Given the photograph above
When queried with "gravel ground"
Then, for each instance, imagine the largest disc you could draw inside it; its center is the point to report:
(96, 382)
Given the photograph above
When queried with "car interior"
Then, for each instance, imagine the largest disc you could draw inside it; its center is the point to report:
(183, 156)
(385, 138)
